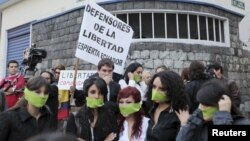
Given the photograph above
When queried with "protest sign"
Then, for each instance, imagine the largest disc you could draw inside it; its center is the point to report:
(67, 76)
(103, 35)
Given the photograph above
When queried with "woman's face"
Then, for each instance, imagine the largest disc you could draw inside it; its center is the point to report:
(46, 76)
(157, 85)
(138, 71)
(41, 91)
(146, 76)
(126, 101)
(208, 111)
(93, 92)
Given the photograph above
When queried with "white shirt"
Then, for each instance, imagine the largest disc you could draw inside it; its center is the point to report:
(124, 133)
(142, 87)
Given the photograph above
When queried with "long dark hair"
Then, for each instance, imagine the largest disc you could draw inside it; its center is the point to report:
(52, 78)
(137, 127)
(102, 87)
(173, 84)
(131, 68)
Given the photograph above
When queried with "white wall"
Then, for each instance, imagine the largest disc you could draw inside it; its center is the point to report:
(27, 11)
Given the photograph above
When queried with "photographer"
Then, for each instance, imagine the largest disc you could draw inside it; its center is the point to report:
(232, 86)
(12, 84)
(32, 56)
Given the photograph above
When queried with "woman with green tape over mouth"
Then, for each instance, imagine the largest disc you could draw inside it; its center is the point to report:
(132, 122)
(26, 121)
(165, 94)
(133, 77)
(215, 108)
(96, 120)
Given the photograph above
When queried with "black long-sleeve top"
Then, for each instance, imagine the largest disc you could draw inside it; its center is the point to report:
(79, 123)
(166, 128)
(19, 125)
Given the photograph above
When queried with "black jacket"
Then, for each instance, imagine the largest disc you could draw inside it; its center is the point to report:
(19, 125)
(166, 128)
(114, 89)
(79, 124)
(196, 128)
(191, 90)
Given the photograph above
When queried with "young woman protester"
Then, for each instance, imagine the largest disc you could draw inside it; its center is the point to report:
(132, 123)
(215, 108)
(52, 101)
(165, 94)
(35, 118)
(133, 77)
(96, 120)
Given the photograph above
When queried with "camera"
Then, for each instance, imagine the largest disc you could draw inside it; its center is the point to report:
(209, 72)
(32, 56)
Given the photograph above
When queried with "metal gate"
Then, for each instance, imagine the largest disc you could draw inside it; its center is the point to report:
(18, 41)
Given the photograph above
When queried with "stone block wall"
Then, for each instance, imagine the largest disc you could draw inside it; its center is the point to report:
(59, 35)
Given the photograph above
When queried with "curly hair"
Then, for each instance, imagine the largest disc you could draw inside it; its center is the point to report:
(173, 84)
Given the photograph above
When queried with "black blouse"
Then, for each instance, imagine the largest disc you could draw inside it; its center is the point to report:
(79, 123)
(19, 125)
(166, 128)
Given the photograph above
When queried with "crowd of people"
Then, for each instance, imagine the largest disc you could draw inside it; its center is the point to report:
(136, 106)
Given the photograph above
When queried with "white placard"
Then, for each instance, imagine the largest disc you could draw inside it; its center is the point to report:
(67, 76)
(103, 35)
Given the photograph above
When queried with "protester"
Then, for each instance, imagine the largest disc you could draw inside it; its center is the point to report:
(96, 120)
(185, 75)
(105, 71)
(165, 94)
(215, 108)
(35, 118)
(13, 84)
(146, 76)
(57, 71)
(133, 77)
(132, 123)
(52, 101)
(63, 98)
(197, 78)
(232, 86)
(161, 68)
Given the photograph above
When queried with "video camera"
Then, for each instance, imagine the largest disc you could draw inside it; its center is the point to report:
(32, 56)
(209, 72)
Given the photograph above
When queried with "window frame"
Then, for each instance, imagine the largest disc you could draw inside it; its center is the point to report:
(188, 40)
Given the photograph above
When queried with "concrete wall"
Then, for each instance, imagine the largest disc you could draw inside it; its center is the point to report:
(59, 37)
